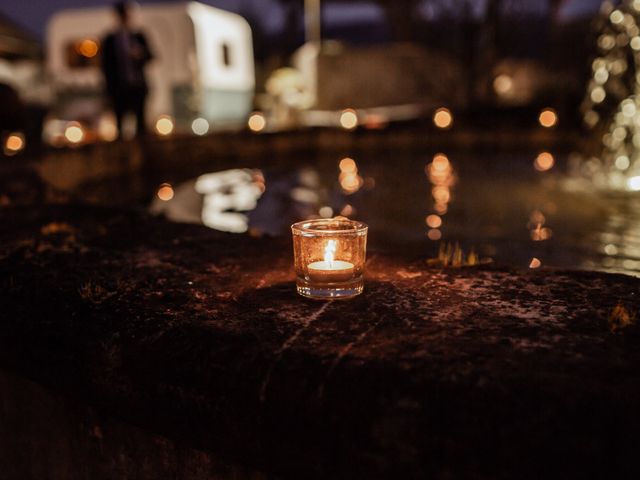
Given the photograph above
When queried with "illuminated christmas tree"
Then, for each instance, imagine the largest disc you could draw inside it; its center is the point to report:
(612, 103)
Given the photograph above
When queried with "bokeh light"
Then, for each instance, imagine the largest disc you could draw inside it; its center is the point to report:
(257, 122)
(616, 17)
(443, 118)
(441, 194)
(200, 126)
(14, 143)
(548, 118)
(440, 208)
(543, 162)
(350, 183)
(348, 119)
(347, 210)
(622, 162)
(165, 192)
(88, 47)
(74, 132)
(535, 263)
(591, 118)
(503, 85)
(434, 221)
(628, 108)
(326, 212)
(434, 234)
(606, 42)
(601, 75)
(348, 165)
(350, 180)
(164, 125)
(107, 128)
(633, 183)
(440, 162)
(441, 177)
(598, 95)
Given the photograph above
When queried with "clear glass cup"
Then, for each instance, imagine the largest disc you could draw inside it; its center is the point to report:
(329, 256)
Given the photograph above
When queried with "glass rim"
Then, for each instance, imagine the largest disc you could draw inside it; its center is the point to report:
(311, 226)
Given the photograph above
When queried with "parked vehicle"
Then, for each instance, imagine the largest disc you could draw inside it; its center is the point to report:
(201, 77)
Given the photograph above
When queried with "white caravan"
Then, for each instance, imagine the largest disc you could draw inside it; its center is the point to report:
(202, 73)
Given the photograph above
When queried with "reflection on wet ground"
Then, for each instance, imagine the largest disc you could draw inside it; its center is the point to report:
(516, 208)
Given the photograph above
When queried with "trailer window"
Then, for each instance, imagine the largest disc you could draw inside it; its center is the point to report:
(226, 55)
(83, 53)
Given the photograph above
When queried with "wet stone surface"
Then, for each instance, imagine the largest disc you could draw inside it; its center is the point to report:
(480, 372)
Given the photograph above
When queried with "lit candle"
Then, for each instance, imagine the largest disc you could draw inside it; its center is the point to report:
(329, 278)
(330, 269)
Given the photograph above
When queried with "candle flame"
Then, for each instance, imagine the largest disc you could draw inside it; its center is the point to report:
(330, 252)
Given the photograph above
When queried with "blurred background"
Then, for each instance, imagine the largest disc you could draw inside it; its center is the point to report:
(299, 58)
(504, 129)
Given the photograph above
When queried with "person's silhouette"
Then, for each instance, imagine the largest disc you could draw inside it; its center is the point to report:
(125, 52)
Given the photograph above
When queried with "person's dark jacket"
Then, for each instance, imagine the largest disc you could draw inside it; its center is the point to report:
(114, 74)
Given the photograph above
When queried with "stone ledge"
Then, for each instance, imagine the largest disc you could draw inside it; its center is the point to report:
(479, 373)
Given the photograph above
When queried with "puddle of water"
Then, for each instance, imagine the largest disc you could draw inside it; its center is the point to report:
(514, 208)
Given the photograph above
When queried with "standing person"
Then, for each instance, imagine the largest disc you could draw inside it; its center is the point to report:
(125, 52)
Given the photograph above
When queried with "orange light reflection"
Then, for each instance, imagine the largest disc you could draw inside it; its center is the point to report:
(165, 192)
(442, 178)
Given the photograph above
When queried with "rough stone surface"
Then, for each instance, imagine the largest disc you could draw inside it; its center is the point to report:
(46, 435)
(481, 372)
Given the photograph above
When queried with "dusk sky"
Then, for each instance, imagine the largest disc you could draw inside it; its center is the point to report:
(34, 14)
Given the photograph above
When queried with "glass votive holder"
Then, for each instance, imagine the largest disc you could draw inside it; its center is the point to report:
(329, 256)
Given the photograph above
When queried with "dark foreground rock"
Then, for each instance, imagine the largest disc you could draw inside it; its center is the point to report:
(200, 337)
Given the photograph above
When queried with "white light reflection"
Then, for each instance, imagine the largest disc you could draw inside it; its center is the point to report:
(226, 195)
(634, 183)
